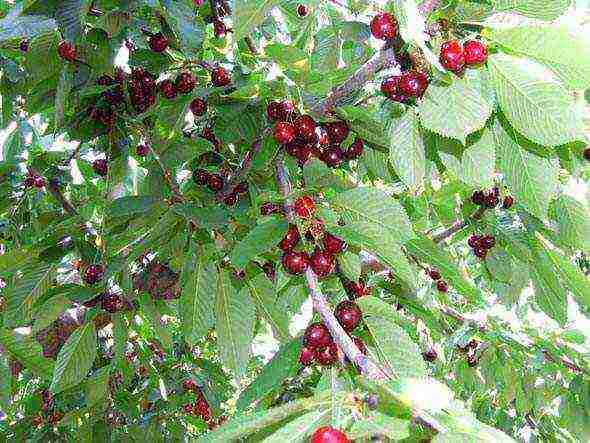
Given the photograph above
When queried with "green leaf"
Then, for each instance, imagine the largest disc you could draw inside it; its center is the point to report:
(539, 9)
(260, 239)
(458, 109)
(197, 301)
(550, 295)
(380, 424)
(374, 206)
(26, 350)
(75, 358)
(61, 96)
(350, 265)
(23, 293)
(532, 179)
(428, 251)
(301, 428)
(183, 18)
(49, 311)
(263, 293)
(152, 312)
(406, 149)
(248, 14)
(283, 365)
(573, 222)
(399, 355)
(235, 318)
(126, 206)
(536, 104)
(25, 27)
(69, 16)
(96, 387)
(456, 437)
(559, 49)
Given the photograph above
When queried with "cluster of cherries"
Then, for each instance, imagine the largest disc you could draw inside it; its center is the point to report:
(303, 138)
(34, 180)
(470, 349)
(200, 407)
(215, 183)
(101, 166)
(110, 301)
(159, 281)
(455, 56)
(328, 434)
(318, 344)
(441, 285)
(142, 89)
(53, 337)
(491, 198)
(184, 84)
(481, 245)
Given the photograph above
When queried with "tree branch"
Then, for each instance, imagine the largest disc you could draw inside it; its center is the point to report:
(458, 225)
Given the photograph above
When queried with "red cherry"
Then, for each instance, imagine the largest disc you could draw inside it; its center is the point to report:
(167, 89)
(39, 182)
(241, 188)
(304, 154)
(327, 356)
(306, 356)
(586, 154)
(413, 84)
(355, 150)
(189, 385)
(295, 262)
(158, 43)
(478, 198)
(348, 314)
(273, 111)
(491, 200)
(201, 177)
(219, 28)
(452, 56)
(93, 274)
(220, 77)
(305, 127)
(29, 181)
(215, 182)
(268, 208)
(198, 107)
(434, 274)
(302, 10)
(322, 263)
(476, 52)
(430, 355)
(317, 336)
(112, 303)
(142, 150)
(287, 109)
(188, 408)
(384, 26)
(473, 241)
(487, 242)
(508, 202)
(66, 51)
(480, 252)
(284, 132)
(442, 286)
(304, 206)
(355, 289)
(24, 46)
(100, 166)
(328, 434)
(472, 360)
(337, 131)
(333, 156)
(333, 244)
(231, 199)
(390, 88)
(291, 239)
(185, 82)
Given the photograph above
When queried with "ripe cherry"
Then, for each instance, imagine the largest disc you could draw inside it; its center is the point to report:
(284, 132)
(100, 166)
(304, 206)
(306, 356)
(302, 10)
(333, 156)
(303, 154)
(328, 434)
(333, 244)
(269, 270)
(112, 302)
(24, 46)
(188, 408)
(337, 132)
(586, 154)
(434, 274)
(355, 150)
(430, 355)
(29, 181)
(158, 43)
(413, 84)
(322, 263)
(384, 26)
(231, 199)
(442, 286)
(508, 202)
(491, 200)
(201, 177)
(390, 88)
(348, 314)
(268, 208)
(273, 111)
(487, 242)
(219, 28)
(220, 77)
(215, 182)
(142, 150)
(66, 51)
(476, 52)
(317, 336)
(189, 385)
(39, 182)
(472, 361)
(290, 239)
(480, 252)
(305, 127)
(452, 56)
(473, 241)
(295, 262)
(287, 109)
(478, 198)
(198, 107)
(168, 89)
(327, 356)
(355, 289)
(93, 274)
(185, 82)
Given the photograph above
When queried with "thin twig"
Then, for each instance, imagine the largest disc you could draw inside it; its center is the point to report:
(242, 170)
(458, 225)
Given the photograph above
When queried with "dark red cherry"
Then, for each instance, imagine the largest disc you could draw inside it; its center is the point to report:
(390, 88)
(158, 43)
(337, 131)
(452, 56)
(220, 77)
(112, 303)
(476, 52)
(295, 262)
(384, 26)
(198, 107)
(39, 182)
(333, 156)
(185, 82)
(355, 150)
(273, 111)
(430, 355)
(142, 150)
(304, 206)
(201, 177)
(413, 84)
(317, 336)
(473, 241)
(215, 182)
(348, 314)
(306, 356)
(508, 202)
(100, 166)
(487, 242)
(305, 127)
(66, 51)
(322, 263)
(268, 208)
(168, 89)
(231, 199)
(491, 200)
(24, 46)
(302, 10)
(284, 132)
(478, 198)
(290, 239)
(93, 274)
(333, 244)
(355, 289)
(586, 154)
(219, 28)
(442, 286)
(287, 109)
(327, 356)
(434, 274)
(480, 252)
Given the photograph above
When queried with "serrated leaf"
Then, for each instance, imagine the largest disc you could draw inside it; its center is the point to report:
(184, 20)
(562, 51)
(380, 424)
(534, 101)
(131, 205)
(248, 14)
(532, 179)
(152, 312)
(549, 293)
(406, 149)
(429, 252)
(478, 162)
(96, 387)
(263, 293)
(283, 365)
(25, 26)
(376, 207)
(75, 358)
(350, 265)
(197, 300)
(26, 350)
(234, 325)
(49, 311)
(260, 239)
(398, 353)
(456, 437)
(458, 109)
(69, 16)
(301, 428)
(573, 222)
(539, 9)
